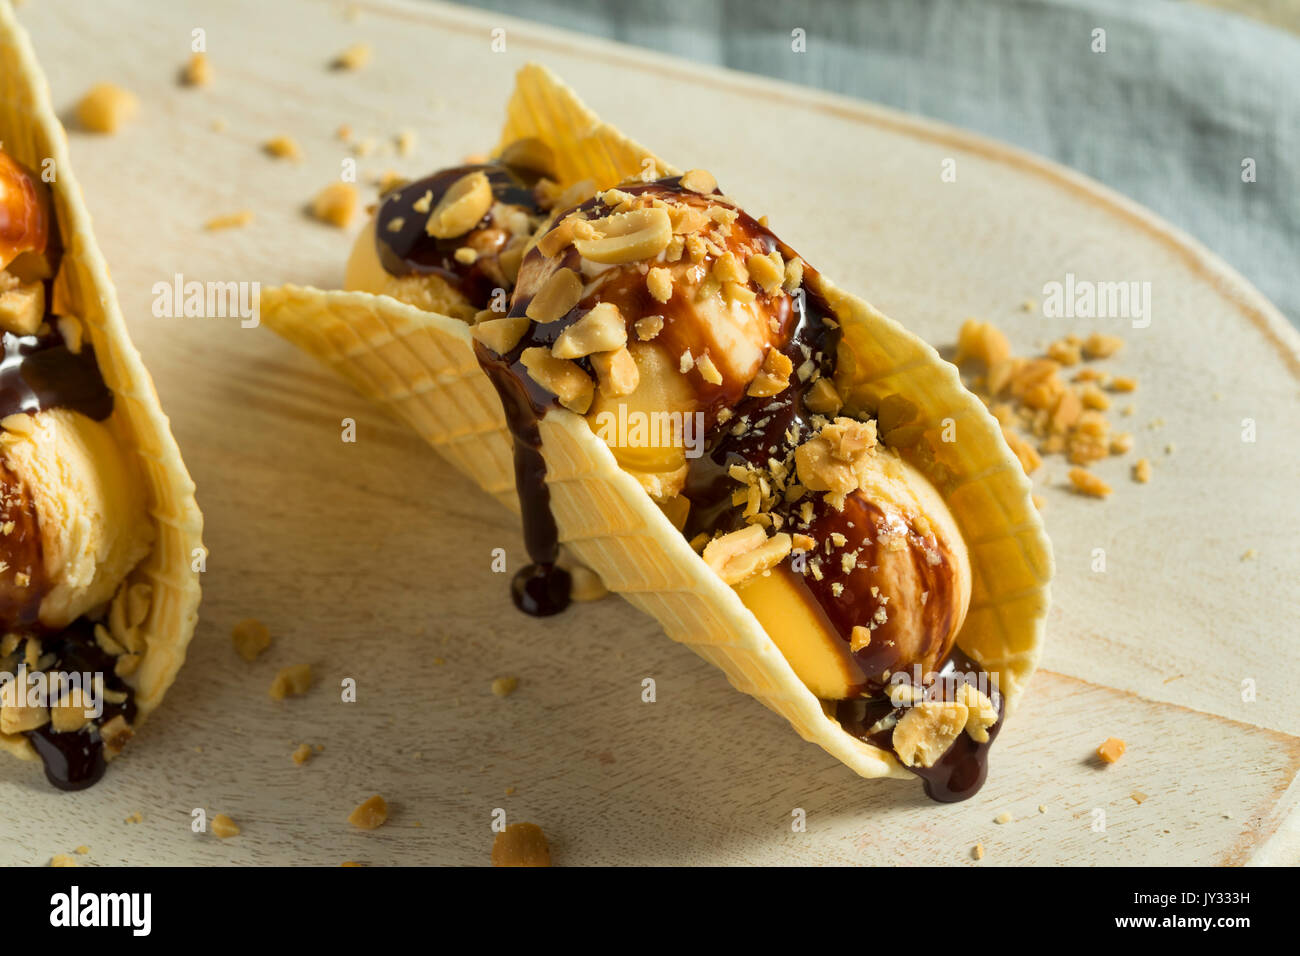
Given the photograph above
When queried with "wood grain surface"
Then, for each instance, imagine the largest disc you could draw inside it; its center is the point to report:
(371, 560)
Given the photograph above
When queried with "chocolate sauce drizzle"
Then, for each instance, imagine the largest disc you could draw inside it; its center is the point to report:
(405, 247)
(40, 372)
(961, 771)
(775, 426)
(74, 760)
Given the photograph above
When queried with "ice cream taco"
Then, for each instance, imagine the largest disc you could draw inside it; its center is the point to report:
(793, 484)
(98, 524)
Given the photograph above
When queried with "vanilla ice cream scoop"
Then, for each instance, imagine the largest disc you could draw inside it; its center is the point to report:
(68, 488)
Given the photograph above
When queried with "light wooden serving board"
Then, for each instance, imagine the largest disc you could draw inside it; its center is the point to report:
(371, 560)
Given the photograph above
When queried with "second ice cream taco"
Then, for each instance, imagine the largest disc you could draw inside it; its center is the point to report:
(790, 482)
(98, 524)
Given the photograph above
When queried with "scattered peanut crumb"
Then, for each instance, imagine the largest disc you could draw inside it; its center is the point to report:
(353, 58)
(1111, 750)
(302, 754)
(136, 817)
(105, 107)
(1003, 817)
(1137, 796)
(351, 863)
(1142, 471)
(371, 814)
(521, 844)
(1249, 554)
(250, 637)
(83, 849)
(336, 204)
(1042, 808)
(1087, 483)
(283, 147)
(505, 686)
(977, 851)
(198, 71)
(232, 221)
(224, 827)
(62, 859)
(292, 681)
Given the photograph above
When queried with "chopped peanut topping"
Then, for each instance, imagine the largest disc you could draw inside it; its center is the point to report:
(1142, 471)
(836, 458)
(823, 398)
(500, 334)
(660, 283)
(699, 181)
(224, 827)
(740, 555)
(461, 207)
(616, 372)
(649, 327)
(627, 237)
(927, 730)
(774, 377)
(602, 329)
(558, 295)
(563, 378)
(766, 272)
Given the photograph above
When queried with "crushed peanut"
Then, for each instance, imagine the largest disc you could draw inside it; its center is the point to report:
(521, 844)
(293, 681)
(1111, 750)
(105, 107)
(336, 204)
(370, 814)
(250, 637)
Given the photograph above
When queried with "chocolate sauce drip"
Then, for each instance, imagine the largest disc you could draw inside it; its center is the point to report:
(960, 772)
(408, 249)
(41, 372)
(74, 760)
(541, 588)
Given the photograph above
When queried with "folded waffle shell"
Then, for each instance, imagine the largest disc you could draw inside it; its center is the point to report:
(422, 366)
(31, 133)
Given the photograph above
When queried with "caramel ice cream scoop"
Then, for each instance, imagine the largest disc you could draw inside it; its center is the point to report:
(79, 517)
